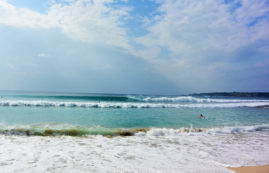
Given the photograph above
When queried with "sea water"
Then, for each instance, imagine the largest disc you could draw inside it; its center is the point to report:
(63, 132)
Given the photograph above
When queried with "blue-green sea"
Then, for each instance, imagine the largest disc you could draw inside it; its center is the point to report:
(80, 132)
(34, 113)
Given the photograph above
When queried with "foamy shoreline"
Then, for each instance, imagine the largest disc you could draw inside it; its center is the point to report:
(184, 152)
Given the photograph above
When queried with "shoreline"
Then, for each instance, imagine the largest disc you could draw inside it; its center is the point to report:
(153, 154)
(251, 169)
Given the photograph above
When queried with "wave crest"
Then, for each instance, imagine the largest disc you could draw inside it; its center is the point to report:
(64, 130)
(41, 103)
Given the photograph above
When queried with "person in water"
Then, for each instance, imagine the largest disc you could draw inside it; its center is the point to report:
(201, 116)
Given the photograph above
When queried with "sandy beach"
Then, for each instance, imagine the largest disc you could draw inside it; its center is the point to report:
(251, 169)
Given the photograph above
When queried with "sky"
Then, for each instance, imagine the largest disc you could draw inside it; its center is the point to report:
(134, 46)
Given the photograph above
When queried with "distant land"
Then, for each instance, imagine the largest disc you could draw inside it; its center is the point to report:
(235, 94)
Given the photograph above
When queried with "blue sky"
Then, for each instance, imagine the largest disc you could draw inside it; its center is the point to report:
(134, 46)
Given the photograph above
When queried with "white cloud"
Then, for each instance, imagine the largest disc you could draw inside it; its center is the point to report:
(85, 20)
(201, 36)
(185, 25)
(22, 17)
(92, 21)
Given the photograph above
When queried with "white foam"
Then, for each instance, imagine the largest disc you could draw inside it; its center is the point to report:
(240, 129)
(49, 103)
(180, 152)
(219, 130)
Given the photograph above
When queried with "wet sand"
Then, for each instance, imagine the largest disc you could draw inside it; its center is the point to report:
(251, 169)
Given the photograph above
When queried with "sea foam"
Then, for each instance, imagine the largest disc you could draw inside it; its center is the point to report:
(160, 150)
(48, 103)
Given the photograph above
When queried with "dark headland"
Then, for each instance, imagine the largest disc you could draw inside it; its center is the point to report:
(234, 94)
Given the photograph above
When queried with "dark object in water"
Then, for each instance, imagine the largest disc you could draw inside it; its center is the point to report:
(201, 116)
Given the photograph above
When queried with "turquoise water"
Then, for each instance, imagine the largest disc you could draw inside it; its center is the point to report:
(59, 110)
(135, 118)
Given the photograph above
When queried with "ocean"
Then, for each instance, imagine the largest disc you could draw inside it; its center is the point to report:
(79, 132)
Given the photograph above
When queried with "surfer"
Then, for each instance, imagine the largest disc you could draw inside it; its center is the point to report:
(201, 116)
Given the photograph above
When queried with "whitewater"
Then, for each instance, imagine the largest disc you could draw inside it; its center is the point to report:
(159, 150)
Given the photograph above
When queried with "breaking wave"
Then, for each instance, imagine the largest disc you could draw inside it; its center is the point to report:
(68, 130)
(41, 103)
